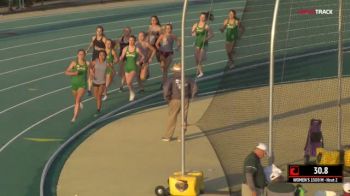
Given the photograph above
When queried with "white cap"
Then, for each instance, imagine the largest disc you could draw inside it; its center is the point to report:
(325, 193)
(263, 147)
(346, 187)
(274, 175)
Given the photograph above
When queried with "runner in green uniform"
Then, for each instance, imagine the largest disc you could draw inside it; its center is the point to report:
(111, 59)
(78, 70)
(233, 28)
(132, 56)
(203, 34)
(121, 43)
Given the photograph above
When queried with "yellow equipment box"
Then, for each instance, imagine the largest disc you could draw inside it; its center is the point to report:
(191, 184)
(347, 158)
(326, 157)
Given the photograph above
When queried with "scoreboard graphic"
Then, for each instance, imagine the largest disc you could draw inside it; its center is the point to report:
(315, 173)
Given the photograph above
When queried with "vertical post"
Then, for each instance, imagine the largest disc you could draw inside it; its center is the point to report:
(340, 71)
(272, 66)
(10, 5)
(183, 166)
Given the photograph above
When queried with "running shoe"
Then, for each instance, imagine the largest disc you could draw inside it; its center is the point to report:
(121, 88)
(97, 113)
(89, 93)
(73, 120)
(200, 75)
(132, 96)
(104, 98)
(164, 139)
(81, 105)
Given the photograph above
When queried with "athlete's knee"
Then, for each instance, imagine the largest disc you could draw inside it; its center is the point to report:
(142, 78)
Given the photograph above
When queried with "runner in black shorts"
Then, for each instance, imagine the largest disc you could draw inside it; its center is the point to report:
(97, 44)
(154, 31)
(165, 44)
(148, 52)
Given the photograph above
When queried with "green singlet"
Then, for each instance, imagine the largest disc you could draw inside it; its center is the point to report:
(201, 35)
(131, 59)
(79, 81)
(109, 59)
(232, 31)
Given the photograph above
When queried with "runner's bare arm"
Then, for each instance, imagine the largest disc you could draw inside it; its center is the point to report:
(194, 29)
(92, 70)
(69, 72)
(222, 29)
(91, 44)
(116, 59)
(142, 57)
(158, 41)
(123, 55)
(153, 52)
(178, 41)
(210, 33)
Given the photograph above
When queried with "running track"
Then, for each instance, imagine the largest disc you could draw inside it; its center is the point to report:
(36, 100)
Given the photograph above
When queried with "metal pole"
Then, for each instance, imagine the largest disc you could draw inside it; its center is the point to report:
(340, 71)
(183, 166)
(10, 5)
(272, 65)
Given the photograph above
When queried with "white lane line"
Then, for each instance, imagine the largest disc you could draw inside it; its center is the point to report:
(81, 44)
(234, 70)
(68, 37)
(67, 87)
(216, 4)
(96, 17)
(90, 34)
(51, 15)
(215, 51)
(64, 109)
(32, 99)
(176, 29)
(42, 52)
(31, 81)
(116, 8)
(217, 41)
(36, 65)
(244, 37)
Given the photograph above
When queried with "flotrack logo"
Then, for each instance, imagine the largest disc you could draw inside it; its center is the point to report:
(315, 12)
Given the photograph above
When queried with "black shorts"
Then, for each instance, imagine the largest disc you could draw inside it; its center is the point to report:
(98, 85)
(166, 54)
